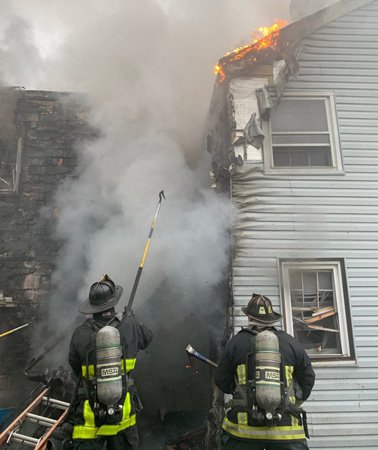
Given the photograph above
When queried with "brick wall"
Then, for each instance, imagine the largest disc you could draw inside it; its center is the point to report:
(49, 124)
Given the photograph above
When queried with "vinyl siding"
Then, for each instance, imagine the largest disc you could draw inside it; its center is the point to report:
(331, 216)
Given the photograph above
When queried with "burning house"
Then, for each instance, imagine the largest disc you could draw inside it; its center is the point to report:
(292, 133)
(292, 138)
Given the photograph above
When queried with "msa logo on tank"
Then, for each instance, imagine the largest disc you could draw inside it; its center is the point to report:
(267, 375)
(110, 372)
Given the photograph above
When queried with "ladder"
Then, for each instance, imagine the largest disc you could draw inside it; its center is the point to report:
(34, 426)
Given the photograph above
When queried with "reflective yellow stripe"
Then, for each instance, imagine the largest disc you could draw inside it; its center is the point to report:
(89, 429)
(130, 365)
(127, 420)
(242, 418)
(242, 374)
(289, 371)
(90, 370)
(269, 433)
(112, 430)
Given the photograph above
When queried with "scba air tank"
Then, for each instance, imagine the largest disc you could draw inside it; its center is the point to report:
(108, 365)
(267, 376)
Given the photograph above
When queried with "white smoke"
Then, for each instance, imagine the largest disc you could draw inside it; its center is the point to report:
(147, 69)
(303, 8)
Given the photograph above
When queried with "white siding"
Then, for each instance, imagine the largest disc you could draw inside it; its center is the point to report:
(283, 216)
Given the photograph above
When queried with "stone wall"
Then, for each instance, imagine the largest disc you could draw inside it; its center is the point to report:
(50, 124)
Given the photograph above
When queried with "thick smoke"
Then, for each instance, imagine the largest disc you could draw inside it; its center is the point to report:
(147, 69)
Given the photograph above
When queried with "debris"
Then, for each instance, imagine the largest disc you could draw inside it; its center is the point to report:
(321, 316)
(253, 133)
(194, 440)
(319, 328)
(323, 310)
(303, 308)
(6, 302)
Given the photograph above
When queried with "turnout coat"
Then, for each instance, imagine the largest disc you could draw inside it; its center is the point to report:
(134, 337)
(232, 367)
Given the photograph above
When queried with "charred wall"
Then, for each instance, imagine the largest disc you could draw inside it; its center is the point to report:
(219, 138)
(46, 127)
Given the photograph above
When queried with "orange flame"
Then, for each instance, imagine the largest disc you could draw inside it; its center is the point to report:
(263, 37)
(219, 72)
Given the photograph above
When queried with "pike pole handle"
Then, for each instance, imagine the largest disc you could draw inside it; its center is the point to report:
(142, 261)
(191, 352)
(13, 330)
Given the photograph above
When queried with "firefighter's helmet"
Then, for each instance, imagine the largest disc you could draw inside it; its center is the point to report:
(103, 295)
(260, 309)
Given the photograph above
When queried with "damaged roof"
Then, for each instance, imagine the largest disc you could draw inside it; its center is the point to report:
(285, 42)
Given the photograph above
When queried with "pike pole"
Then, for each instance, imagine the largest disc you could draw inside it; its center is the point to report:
(13, 330)
(142, 261)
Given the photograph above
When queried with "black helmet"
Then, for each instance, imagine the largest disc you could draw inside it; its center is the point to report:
(103, 295)
(261, 310)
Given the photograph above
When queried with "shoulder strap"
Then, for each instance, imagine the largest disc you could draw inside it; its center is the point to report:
(113, 322)
(251, 330)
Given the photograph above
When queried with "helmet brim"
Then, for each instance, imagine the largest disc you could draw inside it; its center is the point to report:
(87, 308)
(271, 318)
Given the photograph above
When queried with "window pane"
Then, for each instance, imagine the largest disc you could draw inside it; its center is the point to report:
(299, 115)
(300, 139)
(281, 158)
(309, 282)
(320, 157)
(295, 279)
(299, 158)
(302, 156)
(315, 317)
(325, 280)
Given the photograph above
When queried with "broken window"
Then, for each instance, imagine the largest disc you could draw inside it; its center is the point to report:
(10, 163)
(10, 143)
(303, 134)
(316, 308)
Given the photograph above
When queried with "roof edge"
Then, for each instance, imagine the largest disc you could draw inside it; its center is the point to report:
(309, 24)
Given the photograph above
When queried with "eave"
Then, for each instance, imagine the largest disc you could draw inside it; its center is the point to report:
(287, 41)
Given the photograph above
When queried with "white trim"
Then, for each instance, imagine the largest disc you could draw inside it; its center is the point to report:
(339, 302)
(18, 164)
(304, 145)
(336, 160)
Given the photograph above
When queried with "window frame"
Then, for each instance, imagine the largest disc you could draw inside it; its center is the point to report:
(16, 172)
(348, 355)
(335, 148)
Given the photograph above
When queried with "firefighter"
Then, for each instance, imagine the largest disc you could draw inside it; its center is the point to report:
(241, 429)
(92, 426)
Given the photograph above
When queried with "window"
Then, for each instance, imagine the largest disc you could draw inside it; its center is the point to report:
(303, 135)
(10, 164)
(316, 308)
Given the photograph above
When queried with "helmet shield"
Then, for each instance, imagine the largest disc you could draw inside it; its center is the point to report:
(261, 310)
(103, 295)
